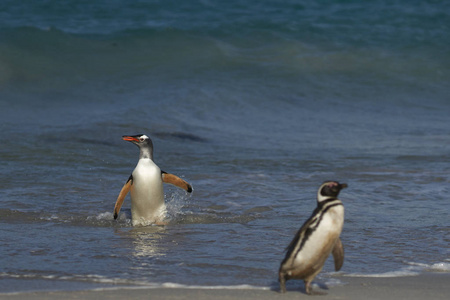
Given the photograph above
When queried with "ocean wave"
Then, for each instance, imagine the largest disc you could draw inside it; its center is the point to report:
(401, 273)
(213, 287)
(85, 278)
(121, 283)
(32, 55)
(414, 269)
(435, 267)
(383, 20)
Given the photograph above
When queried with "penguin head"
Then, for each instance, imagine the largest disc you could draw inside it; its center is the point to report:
(144, 143)
(329, 189)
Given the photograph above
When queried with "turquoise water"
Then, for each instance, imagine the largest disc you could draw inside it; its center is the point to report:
(255, 104)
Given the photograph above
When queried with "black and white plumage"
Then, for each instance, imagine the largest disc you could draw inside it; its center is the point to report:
(146, 186)
(316, 239)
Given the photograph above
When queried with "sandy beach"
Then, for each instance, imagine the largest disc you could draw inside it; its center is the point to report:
(427, 286)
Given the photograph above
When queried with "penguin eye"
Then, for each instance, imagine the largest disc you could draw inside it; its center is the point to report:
(141, 139)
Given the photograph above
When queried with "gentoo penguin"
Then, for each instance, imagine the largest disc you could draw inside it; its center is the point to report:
(146, 186)
(316, 239)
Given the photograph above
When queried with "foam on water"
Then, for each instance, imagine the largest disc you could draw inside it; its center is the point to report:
(413, 269)
(217, 287)
(86, 278)
(436, 267)
(120, 283)
(401, 273)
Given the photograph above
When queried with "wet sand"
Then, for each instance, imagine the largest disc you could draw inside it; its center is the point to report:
(426, 286)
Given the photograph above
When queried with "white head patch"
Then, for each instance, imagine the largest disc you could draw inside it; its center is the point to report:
(143, 138)
(321, 197)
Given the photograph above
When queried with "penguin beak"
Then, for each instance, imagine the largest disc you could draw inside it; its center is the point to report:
(129, 138)
(343, 185)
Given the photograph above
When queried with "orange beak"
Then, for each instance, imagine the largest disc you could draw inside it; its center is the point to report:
(129, 138)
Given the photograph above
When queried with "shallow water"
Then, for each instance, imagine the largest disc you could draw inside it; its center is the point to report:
(254, 105)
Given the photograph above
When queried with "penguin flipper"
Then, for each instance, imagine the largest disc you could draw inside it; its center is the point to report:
(303, 233)
(123, 193)
(338, 255)
(176, 181)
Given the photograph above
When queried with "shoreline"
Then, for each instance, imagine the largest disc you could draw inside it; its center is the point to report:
(423, 286)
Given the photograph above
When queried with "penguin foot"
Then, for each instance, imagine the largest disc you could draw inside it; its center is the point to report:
(282, 284)
(282, 288)
(311, 292)
(161, 223)
(317, 293)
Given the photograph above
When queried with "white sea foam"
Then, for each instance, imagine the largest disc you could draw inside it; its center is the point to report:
(444, 267)
(401, 273)
(171, 285)
(322, 282)
(330, 282)
(103, 216)
(164, 285)
(106, 217)
(128, 283)
(83, 278)
(214, 287)
(436, 267)
(413, 269)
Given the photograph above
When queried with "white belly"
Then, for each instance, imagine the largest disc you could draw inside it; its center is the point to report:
(321, 242)
(147, 194)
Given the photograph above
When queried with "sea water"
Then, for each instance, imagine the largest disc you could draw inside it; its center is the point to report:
(255, 103)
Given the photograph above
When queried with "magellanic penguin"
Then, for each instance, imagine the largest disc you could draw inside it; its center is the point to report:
(316, 239)
(146, 186)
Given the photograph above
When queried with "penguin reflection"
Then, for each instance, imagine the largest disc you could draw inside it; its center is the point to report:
(145, 241)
